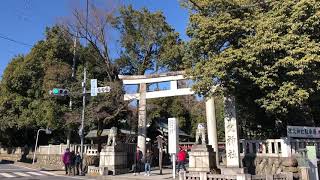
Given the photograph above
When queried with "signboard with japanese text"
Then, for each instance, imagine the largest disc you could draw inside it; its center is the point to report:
(173, 135)
(231, 133)
(303, 132)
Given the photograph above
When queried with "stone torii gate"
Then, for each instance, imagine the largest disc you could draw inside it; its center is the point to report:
(174, 90)
(173, 77)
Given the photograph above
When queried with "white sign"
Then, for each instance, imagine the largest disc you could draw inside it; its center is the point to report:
(94, 85)
(103, 89)
(173, 135)
(303, 132)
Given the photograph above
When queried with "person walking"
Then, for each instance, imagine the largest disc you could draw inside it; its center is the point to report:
(182, 155)
(78, 163)
(137, 161)
(147, 163)
(66, 160)
(72, 163)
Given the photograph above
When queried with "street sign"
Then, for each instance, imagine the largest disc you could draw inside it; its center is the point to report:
(103, 89)
(94, 85)
(173, 135)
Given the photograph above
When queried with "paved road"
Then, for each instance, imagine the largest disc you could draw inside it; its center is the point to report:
(14, 172)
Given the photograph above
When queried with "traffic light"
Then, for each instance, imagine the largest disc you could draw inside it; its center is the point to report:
(59, 92)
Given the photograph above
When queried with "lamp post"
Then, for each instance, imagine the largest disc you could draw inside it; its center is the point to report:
(48, 131)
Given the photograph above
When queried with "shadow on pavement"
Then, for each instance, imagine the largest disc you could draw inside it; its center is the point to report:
(6, 162)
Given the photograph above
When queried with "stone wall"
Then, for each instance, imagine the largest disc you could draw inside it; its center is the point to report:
(270, 165)
(52, 161)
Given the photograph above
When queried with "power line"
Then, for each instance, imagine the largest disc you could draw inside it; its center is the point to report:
(15, 41)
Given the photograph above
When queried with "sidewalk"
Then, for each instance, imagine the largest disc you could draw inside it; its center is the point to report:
(155, 174)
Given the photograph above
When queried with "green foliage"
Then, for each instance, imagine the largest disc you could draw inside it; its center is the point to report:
(188, 110)
(26, 81)
(148, 43)
(26, 104)
(178, 107)
(264, 52)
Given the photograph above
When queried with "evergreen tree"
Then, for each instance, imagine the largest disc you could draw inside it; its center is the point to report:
(266, 53)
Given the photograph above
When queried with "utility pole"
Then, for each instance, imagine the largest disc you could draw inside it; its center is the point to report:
(72, 77)
(83, 109)
(81, 132)
(74, 56)
(73, 65)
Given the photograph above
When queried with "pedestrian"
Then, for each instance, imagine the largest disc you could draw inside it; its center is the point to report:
(72, 163)
(66, 160)
(78, 162)
(137, 161)
(182, 155)
(147, 163)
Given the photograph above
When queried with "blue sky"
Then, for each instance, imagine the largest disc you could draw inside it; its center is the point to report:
(25, 20)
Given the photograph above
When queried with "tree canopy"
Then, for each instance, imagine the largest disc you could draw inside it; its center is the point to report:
(148, 42)
(266, 53)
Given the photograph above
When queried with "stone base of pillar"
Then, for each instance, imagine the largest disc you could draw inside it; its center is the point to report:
(232, 170)
(201, 159)
(113, 160)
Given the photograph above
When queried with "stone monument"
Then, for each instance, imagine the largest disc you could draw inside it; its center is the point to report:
(201, 133)
(201, 157)
(232, 138)
(112, 136)
(112, 157)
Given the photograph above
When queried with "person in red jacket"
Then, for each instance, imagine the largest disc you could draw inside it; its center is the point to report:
(182, 155)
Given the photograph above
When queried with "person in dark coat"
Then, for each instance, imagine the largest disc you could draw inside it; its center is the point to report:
(147, 163)
(78, 162)
(66, 160)
(72, 163)
(136, 167)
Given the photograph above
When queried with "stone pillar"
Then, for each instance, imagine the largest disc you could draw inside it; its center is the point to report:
(285, 147)
(114, 159)
(142, 122)
(201, 158)
(231, 133)
(212, 126)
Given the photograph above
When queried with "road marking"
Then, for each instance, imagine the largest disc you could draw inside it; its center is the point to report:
(21, 174)
(7, 169)
(23, 167)
(35, 173)
(49, 173)
(6, 175)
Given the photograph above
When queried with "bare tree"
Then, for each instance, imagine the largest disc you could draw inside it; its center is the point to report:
(96, 27)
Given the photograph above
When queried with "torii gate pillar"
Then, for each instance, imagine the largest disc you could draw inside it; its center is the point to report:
(142, 121)
(212, 126)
